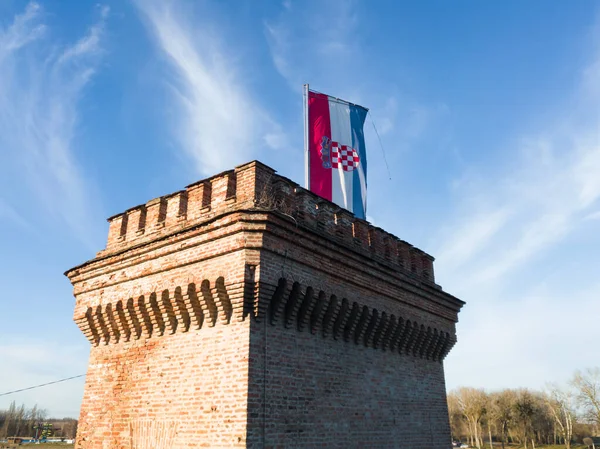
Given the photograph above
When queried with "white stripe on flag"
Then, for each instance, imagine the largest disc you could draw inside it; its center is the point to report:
(341, 132)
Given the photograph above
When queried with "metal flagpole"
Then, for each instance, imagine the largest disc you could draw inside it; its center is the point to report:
(306, 145)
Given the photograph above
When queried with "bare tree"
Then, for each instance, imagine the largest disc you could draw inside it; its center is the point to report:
(587, 384)
(501, 411)
(473, 405)
(560, 403)
(20, 420)
(524, 408)
(69, 428)
(526, 417)
(9, 420)
(457, 419)
(543, 421)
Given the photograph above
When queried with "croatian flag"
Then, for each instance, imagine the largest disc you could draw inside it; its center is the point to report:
(336, 158)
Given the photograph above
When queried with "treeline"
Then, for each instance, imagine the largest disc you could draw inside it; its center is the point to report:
(558, 415)
(21, 421)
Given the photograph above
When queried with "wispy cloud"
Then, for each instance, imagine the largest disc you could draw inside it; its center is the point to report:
(476, 234)
(8, 212)
(510, 217)
(593, 216)
(517, 216)
(40, 87)
(217, 122)
(304, 46)
(328, 51)
(22, 31)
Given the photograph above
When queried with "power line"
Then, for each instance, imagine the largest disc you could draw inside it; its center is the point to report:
(41, 385)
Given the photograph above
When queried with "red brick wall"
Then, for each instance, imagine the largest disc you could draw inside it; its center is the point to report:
(152, 365)
(321, 376)
(325, 393)
(245, 311)
(193, 383)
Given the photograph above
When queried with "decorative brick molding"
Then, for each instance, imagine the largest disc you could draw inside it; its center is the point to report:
(155, 314)
(323, 314)
(170, 311)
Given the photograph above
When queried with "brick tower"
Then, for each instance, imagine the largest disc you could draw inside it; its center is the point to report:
(245, 311)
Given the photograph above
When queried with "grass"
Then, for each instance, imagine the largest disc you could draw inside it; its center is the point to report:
(541, 446)
(551, 446)
(560, 446)
(496, 446)
(49, 445)
(537, 446)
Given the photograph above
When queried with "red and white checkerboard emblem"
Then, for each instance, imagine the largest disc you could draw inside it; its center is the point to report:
(344, 156)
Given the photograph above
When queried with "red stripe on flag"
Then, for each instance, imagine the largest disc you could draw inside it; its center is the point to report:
(319, 125)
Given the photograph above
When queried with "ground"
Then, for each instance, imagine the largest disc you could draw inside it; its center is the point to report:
(574, 446)
(540, 446)
(48, 445)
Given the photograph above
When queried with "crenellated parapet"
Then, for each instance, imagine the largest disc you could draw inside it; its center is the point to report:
(256, 187)
(197, 203)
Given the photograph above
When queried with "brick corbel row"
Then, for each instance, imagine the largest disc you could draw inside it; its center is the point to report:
(165, 312)
(320, 313)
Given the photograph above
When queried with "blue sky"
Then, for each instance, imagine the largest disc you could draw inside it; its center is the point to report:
(488, 112)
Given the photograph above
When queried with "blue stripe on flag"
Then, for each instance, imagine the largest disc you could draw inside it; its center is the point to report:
(359, 200)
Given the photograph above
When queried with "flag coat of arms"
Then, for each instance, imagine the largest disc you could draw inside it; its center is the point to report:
(336, 158)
